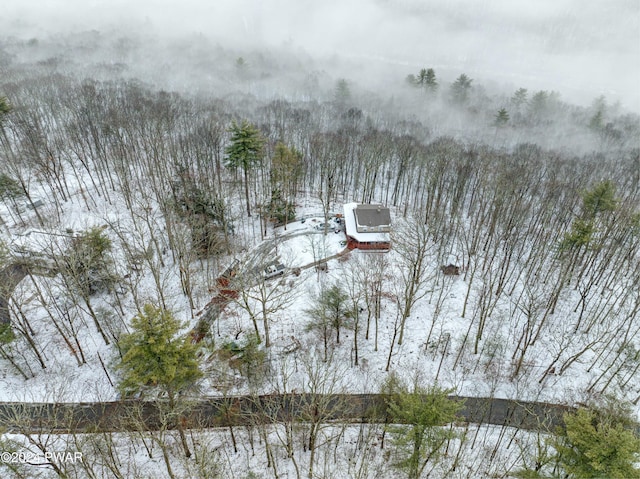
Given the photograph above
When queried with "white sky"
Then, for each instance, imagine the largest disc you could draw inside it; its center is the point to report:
(581, 49)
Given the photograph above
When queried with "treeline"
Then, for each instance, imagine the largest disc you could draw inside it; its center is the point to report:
(527, 111)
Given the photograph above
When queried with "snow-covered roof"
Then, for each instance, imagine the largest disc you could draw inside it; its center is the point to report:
(351, 227)
(372, 218)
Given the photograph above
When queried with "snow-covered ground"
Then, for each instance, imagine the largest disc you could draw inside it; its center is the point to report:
(344, 452)
(81, 369)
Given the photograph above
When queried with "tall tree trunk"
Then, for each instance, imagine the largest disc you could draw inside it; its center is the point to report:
(246, 190)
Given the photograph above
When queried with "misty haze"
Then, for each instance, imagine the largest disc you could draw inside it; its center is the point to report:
(341, 239)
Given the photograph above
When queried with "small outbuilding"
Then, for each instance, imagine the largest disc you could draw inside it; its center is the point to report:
(367, 227)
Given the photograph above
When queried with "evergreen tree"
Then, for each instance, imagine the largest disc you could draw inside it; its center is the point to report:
(431, 84)
(156, 359)
(286, 169)
(242, 68)
(426, 79)
(417, 415)
(245, 151)
(205, 213)
(329, 311)
(279, 209)
(460, 89)
(9, 188)
(342, 92)
(502, 117)
(599, 107)
(594, 444)
(5, 107)
(88, 263)
(539, 106)
(241, 63)
(247, 357)
(580, 235)
(595, 201)
(519, 98)
(599, 199)
(6, 333)
(596, 123)
(286, 166)
(421, 79)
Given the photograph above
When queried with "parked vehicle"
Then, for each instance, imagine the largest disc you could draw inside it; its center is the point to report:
(273, 269)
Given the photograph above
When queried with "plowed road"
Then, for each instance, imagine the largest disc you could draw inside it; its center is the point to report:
(60, 418)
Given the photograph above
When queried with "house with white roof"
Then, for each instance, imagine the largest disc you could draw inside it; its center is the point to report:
(367, 227)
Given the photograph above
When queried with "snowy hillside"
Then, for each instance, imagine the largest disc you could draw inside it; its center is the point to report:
(513, 272)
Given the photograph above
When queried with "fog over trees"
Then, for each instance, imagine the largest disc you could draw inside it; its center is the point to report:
(173, 197)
